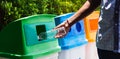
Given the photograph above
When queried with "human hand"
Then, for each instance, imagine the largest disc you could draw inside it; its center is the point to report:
(63, 27)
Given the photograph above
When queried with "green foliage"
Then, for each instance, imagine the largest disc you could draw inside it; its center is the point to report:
(15, 9)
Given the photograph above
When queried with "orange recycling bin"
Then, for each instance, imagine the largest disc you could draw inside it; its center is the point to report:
(91, 26)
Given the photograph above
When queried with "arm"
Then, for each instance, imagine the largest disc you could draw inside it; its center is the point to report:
(86, 9)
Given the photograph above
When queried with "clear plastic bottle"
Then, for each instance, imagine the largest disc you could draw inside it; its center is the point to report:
(51, 33)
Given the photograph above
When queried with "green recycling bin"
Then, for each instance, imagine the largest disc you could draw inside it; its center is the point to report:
(20, 39)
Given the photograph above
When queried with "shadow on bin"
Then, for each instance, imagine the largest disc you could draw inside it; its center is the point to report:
(20, 39)
(73, 44)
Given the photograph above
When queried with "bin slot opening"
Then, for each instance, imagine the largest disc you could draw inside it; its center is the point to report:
(41, 32)
(78, 27)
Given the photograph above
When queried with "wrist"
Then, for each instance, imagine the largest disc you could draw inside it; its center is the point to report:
(69, 23)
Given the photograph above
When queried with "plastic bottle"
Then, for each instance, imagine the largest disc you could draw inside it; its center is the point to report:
(51, 33)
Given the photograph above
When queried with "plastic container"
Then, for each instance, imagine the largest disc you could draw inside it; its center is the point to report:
(73, 44)
(52, 33)
(91, 26)
(19, 39)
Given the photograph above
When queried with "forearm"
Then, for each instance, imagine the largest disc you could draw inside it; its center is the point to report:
(85, 10)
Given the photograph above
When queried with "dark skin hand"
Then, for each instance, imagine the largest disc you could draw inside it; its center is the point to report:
(85, 10)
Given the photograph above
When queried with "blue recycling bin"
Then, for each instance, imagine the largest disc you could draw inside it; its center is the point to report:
(73, 44)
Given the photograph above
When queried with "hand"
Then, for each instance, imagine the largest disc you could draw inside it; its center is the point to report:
(66, 26)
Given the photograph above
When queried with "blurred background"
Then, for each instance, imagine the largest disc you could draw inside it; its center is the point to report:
(11, 10)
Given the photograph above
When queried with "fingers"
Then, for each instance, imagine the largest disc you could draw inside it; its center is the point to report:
(59, 35)
(64, 24)
(61, 32)
(60, 25)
